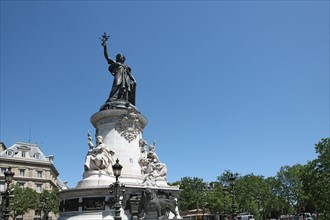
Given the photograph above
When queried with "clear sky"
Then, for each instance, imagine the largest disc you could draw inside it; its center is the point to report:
(225, 85)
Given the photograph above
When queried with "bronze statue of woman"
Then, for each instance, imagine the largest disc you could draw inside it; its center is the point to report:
(124, 84)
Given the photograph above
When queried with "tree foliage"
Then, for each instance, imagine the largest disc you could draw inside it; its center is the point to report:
(26, 199)
(295, 189)
(23, 201)
(193, 193)
(291, 187)
(316, 180)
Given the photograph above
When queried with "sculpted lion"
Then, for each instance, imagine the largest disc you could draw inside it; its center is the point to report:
(151, 202)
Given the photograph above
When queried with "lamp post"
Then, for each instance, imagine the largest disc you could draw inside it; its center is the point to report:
(258, 202)
(46, 208)
(203, 213)
(224, 190)
(116, 187)
(232, 184)
(5, 208)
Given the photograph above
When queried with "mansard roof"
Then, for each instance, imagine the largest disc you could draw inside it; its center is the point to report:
(29, 153)
(2, 146)
(32, 152)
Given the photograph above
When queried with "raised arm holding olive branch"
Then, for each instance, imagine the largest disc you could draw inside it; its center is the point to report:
(124, 84)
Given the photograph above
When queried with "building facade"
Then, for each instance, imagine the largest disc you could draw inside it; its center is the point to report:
(32, 169)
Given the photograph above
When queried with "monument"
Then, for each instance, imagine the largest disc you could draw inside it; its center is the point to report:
(143, 192)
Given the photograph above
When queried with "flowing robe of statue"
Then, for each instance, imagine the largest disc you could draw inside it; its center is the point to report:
(124, 84)
(99, 157)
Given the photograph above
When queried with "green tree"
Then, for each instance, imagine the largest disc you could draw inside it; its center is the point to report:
(252, 193)
(24, 200)
(224, 178)
(193, 191)
(291, 187)
(225, 182)
(214, 197)
(316, 179)
(310, 184)
(48, 201)
(295, 189)
(276, 204)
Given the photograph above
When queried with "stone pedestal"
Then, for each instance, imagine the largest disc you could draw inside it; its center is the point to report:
(121, 129)
(96, 203)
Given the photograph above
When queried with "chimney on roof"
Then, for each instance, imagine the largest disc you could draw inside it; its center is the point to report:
(51, 158)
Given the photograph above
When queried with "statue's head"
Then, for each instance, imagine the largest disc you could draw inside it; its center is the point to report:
(142, 143)
(120, 58)
(152, 148)
(99, 139)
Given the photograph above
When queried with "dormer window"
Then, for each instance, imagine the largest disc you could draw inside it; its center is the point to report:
(23, 153)
(9, 153)
(37, 156)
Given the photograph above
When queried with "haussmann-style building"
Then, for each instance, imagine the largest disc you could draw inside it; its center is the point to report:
(32, 169)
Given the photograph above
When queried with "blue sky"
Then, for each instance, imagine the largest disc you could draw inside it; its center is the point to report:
(225, 85)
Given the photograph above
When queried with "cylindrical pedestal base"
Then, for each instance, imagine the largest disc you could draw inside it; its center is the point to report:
(121, 130)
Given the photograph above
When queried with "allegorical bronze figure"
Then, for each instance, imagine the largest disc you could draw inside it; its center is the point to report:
(124, 84)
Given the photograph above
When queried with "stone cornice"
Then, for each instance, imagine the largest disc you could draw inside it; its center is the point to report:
(29, 162)
(114, 113)
(34, 180)
(104, 190)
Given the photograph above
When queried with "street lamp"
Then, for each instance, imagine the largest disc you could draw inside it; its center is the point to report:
(258, 202)
(9, 176)
(6, 195)
(224, 190)
(116, 187)
(117, 169)
(46, 208)
(203, 213)
(232, 184)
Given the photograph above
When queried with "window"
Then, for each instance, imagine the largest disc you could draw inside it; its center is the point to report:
(39, 174)
(21, 172)
(38, 187)
(21, 184)
(37, 212)
(23, 153)
(9, 152)
(37, 155)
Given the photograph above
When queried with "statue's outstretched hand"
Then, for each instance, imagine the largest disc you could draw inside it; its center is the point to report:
(104, 38)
